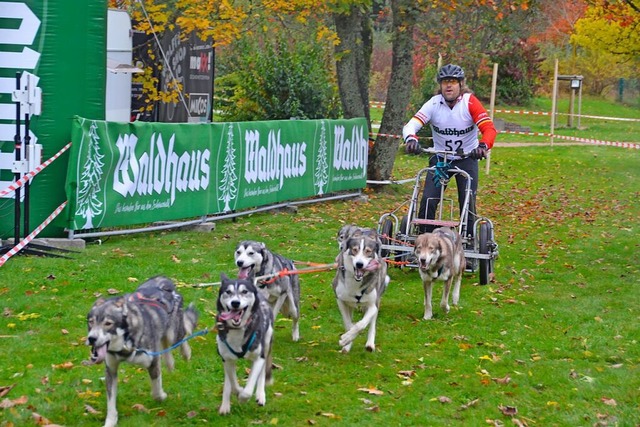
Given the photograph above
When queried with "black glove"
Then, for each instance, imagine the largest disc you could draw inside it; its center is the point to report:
(412, 145)
(480, 152)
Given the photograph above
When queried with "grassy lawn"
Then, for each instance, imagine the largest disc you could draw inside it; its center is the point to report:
(552, 342)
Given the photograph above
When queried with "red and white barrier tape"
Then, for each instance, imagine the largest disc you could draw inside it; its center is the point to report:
(376, 104)
(535, 113)
(24, 242)
(22, 181)
(575, 138)
(548, 135)
(546, 113)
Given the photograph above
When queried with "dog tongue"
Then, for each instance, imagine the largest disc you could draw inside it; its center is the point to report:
(98, 354)
(243, 273)
(227, 315)
(373, 265)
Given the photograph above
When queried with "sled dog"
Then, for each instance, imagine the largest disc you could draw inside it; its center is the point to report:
(440, 256)
(132, 327)
(361, 279)
(245, 331)
(254, 260)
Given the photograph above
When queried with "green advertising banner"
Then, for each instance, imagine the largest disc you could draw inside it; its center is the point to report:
(63, 44)
(135, 173)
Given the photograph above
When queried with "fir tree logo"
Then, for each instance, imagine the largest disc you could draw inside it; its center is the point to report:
(89, 204)
(228, 184)
(321, 174)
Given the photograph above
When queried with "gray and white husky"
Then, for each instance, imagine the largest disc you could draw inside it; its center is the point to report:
(245, 331)
(128, 328)
(254, 260)
(440, 257)
(360, 281)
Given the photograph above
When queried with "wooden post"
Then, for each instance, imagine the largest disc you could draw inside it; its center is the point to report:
(494, 81)
(554, 95)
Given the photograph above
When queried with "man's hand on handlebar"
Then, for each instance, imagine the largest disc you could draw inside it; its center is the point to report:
(480, 152)
(412, 145)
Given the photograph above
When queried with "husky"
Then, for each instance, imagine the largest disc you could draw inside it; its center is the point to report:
(254, 260)
(245, 331)
(348, 230)
(131, 328)
(360, 281)
(440, 256)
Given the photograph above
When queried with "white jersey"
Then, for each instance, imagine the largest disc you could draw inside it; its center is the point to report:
(452, 128)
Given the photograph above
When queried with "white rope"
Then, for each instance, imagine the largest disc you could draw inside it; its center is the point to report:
(164, 57)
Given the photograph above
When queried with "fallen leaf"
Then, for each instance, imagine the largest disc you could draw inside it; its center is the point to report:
(6, 389)
(28, 316)
(88, 394)
(371, 390)
(469, 404)
(91, 410)
(112, 291)
(140, 408)
(175, 259)
(132, 279)
(64, 332)
(608, 401)
(375, 408)
(40, 420)
(509, 411)
(8, 403)
(329, 415)
(444, 399)
(65, 365)
(505, 380)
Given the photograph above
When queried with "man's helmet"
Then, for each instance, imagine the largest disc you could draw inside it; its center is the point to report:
(450, 71)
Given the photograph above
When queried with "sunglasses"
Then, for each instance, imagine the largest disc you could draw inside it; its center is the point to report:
(449, 81)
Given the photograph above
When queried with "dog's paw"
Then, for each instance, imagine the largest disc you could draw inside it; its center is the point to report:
(111, 422)
(224, 409)
(445, 307)
(244, 396)
(160, 396)
(347, 338)
(370, 348)
(427, 316)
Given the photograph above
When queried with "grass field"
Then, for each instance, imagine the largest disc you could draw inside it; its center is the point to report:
(553, 341)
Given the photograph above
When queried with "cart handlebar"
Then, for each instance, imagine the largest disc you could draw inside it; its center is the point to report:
(446, 153)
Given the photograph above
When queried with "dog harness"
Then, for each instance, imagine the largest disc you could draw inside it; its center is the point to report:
(137, 297)
(245, 347)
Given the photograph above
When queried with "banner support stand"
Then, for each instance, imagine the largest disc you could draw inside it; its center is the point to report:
(28, 96)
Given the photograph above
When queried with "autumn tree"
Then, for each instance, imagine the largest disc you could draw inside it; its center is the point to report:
(607, 41)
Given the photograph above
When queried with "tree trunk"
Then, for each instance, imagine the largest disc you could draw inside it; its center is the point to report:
(353, 62)
(382, 156)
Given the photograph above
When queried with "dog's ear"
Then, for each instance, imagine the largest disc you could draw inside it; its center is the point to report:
(99, 302)
(223, 277)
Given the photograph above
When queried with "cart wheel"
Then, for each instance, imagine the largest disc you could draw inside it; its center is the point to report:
(386, 233)
(403, 225)
(486, 265)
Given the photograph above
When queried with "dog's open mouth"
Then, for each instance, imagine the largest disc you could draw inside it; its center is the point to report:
(360, 272)
(243, 272)
(235, 316)
(98, 353)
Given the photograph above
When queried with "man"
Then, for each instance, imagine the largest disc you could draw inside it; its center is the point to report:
(455, 116)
